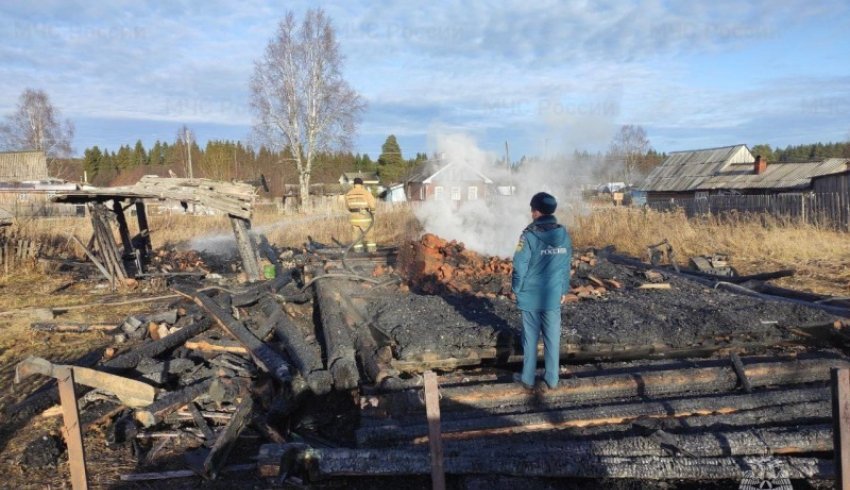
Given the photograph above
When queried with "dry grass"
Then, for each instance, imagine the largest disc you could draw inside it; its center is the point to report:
(756, 244)
(393, 225)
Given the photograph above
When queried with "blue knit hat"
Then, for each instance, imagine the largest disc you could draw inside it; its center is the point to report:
(543, 202)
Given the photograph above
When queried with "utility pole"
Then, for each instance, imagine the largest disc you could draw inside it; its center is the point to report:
(507, 155)
(187, 140)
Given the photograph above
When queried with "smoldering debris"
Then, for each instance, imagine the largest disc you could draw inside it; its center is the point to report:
(310, 386)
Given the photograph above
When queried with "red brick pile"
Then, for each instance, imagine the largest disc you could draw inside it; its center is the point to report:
(433, 265)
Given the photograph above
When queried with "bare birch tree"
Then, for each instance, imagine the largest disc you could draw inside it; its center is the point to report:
(300, 100)
(36, 124)
(628, 149)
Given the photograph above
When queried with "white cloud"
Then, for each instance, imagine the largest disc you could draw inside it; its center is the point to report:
(550, 69)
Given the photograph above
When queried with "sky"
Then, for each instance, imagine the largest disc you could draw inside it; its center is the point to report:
(545, 76)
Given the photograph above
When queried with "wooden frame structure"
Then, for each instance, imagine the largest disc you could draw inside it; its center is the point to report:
(236, 200)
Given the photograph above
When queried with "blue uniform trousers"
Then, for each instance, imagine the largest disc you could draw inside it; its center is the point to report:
(533, 323)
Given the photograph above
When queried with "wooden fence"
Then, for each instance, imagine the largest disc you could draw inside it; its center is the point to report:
(16, 252)
(41, 209)
(831, 209)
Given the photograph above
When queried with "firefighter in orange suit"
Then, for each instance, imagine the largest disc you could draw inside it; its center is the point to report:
(361, 204)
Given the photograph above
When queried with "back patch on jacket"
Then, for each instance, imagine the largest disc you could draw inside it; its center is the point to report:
(554, 251)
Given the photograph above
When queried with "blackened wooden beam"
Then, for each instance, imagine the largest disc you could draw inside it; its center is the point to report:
(156, 412)
(216, 457)
(307, 360)
(202, 425)
(375, 360)
(131, 358)
(337, 462)
(144, 237)
(246, 247)
(123, 229)
(740, 372)
(339, 339)
(253, 294)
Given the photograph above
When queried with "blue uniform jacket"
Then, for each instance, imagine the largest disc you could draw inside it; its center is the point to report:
(541, 272)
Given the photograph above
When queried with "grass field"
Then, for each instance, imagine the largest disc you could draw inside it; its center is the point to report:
(756, 244)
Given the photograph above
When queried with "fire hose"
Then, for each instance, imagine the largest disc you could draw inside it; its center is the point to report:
(351, 273)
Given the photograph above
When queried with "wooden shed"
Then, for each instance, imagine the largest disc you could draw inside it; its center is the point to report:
(22, 166)
(731, 170)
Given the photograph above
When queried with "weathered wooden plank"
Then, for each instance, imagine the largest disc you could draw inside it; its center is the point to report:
(508, 424)
(131, 392)
(106, 242)
(507, 397)
(206, 346)
(841, 426)
(72, 430)
(435, 441)
(72, 327)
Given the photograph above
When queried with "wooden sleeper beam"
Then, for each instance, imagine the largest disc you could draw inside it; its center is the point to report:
(326, 463)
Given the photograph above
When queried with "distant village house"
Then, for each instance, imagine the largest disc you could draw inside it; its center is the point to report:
(439, 180)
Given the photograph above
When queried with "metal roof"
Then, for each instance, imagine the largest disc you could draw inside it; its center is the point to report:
(731, 167)
(778, 175)
(445, 171)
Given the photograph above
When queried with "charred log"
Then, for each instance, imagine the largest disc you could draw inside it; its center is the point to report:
(338, 337)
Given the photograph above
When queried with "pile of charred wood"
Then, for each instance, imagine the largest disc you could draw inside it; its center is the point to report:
(207, 366)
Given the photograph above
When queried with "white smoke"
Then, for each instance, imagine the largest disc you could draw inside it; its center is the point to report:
(492, 226)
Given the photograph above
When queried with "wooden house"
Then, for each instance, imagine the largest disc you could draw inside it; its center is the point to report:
(731, 170)
(440, 180)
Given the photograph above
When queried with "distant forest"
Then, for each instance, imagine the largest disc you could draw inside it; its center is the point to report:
(231, 160)
(219, 160)
(801, 153)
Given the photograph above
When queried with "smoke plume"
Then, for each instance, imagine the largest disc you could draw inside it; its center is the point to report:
(492, 226)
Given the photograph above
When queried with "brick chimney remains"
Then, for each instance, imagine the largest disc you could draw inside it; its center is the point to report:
(760, 165)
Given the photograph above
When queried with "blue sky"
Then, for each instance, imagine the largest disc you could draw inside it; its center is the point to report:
(558, 75)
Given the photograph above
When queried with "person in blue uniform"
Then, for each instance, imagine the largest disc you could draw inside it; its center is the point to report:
(540, 282)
